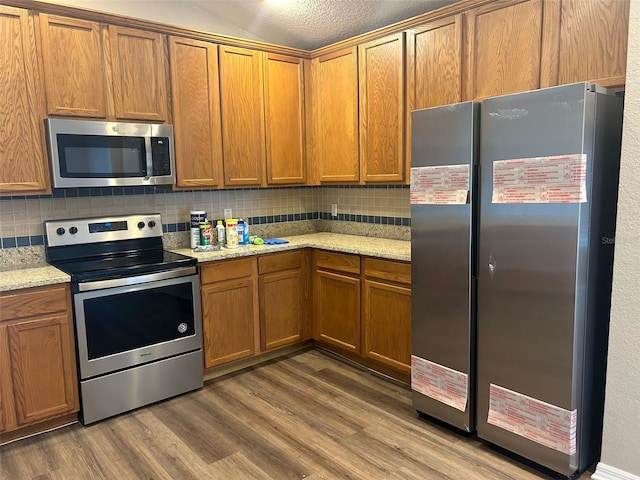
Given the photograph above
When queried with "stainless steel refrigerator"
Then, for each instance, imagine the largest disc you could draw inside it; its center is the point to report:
(443, 219)
(549, 162)
(547, 192)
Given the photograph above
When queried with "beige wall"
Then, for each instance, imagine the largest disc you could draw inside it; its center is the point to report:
(621, 442)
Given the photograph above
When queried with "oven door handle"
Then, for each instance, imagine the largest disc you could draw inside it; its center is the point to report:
(123, 282)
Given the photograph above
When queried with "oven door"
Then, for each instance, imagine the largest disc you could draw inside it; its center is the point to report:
(134, 323)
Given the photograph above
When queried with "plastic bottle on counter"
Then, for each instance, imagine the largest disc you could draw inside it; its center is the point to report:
(232, 233)
(246, 232)
(220, 233)
(243, 233)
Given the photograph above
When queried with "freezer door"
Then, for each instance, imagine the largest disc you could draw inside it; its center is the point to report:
(532, 274)
(442, 257)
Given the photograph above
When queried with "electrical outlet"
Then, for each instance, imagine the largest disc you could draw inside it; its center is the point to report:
(227, 213)
(334, 209)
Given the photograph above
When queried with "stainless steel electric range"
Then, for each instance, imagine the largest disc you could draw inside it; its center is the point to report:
(137, 315)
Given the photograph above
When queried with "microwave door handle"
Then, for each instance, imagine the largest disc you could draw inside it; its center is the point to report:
(148, 154)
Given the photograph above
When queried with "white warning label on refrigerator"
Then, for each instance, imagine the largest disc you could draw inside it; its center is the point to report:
(440, 185)
(557, 179)
(439, 382)
(538, 421)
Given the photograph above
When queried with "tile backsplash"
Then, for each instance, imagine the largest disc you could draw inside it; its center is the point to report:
(22, 217)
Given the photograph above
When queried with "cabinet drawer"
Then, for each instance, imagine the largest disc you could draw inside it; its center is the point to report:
(394, 271)
(278, 262)
(226, 270)
(342, 262)
(36, 301)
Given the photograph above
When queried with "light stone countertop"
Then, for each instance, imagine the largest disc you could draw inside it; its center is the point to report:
(368, 246)
(35, 275)
(15, 278)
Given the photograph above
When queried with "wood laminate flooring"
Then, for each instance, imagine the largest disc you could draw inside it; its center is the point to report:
(307, 415)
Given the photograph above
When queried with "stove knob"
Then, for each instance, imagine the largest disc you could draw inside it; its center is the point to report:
(60, 231)
(73, 230)
(151, 224)
(140, 225)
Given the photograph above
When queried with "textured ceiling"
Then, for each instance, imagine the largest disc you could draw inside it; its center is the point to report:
(305, 24)
(310, 24)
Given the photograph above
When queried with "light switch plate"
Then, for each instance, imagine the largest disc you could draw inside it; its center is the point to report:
(227, 213)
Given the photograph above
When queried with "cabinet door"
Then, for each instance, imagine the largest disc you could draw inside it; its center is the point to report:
(43, 368)
(337, 319)
(281, 308)
(139, 79)
(228, 321)
(382, 109)
(7, 403)
(23, 165)
(284, 119)
(387, 324)
(196, 113)
(242, 116)
(434, 69)
(585, 40)
(503, 48)
(336, 137)
(74, 75)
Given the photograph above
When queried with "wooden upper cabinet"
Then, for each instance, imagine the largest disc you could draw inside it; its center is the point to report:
(138, 70)
(72, 56)
(382, 109)
(284, 119)
(585, 40)
(243, 136)
(502, 48)
(336, 119)
(434, 69)
(23, 164)
(196, 112)
(434, 63)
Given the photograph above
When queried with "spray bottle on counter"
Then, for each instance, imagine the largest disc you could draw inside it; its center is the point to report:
(219, 233)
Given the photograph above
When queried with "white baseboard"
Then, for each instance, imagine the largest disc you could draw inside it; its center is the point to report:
(607, 472)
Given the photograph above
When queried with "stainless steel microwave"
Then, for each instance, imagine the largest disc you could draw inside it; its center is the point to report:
(89, 153)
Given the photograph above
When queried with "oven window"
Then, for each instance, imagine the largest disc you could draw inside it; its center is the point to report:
(101, 156)
(118, 323)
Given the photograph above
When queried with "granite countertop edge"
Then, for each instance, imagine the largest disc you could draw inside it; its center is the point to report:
(40, 275)
(368, 246)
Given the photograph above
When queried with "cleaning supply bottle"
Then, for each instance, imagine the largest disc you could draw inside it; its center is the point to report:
(219, 233)
(246, 232)
(243, 232)
(240, 231)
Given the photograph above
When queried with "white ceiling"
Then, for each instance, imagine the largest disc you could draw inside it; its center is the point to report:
(309, 24)
(305, 24)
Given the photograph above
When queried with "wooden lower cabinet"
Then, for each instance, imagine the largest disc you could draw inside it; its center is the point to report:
(37, 358)
(386, 313)
(386, 322)
(337, 300)
(338, 310)
(283, 292)
(362, 309)
(229, 313)
(252, 305)
(359, 307)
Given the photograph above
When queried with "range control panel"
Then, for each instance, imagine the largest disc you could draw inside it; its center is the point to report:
(76, 231)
